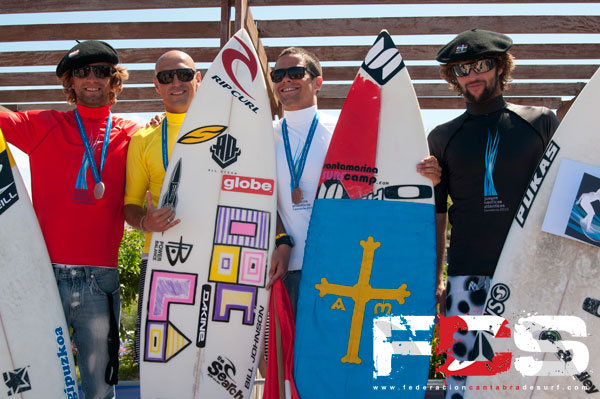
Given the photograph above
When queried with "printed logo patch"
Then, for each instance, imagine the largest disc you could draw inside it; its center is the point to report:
(170, 197)
(230, 55)
(461, 49)
(178, 251)
(225, 152)
(17, 381)
(250, 185)
(8, 189)
(383, 61)
(584, 223)
(202, 134)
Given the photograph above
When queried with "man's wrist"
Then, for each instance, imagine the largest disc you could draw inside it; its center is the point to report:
(142, 224)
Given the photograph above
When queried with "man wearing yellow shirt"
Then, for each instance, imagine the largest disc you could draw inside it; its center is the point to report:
(176, 81)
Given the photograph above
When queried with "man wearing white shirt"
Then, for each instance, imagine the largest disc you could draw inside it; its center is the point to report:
(297, 77)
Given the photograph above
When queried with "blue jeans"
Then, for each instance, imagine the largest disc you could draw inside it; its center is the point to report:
(291, 281)
(84, 292)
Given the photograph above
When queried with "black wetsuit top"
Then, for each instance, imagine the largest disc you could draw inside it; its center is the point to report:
(487, 155)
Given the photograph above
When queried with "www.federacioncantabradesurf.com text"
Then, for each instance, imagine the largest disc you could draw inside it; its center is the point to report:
(512, 388)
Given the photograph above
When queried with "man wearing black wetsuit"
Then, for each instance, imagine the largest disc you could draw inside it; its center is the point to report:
(487, 155)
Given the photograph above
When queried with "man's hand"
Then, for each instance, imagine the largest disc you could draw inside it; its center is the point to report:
(156, 120)
(430, 168)
(157, 220)
(279, 263)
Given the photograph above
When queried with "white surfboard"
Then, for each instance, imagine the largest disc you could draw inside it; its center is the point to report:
(550, 266)
(205, 304)
(35, 349)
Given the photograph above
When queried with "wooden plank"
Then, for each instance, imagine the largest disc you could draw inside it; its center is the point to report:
(120, 107)
(428, 52)
(329, 74)
(442, 90)
(428, 25)
(42, 95)
(454, 102)
(349, 2)
(225, 27)
(31, 6)
(339, 91)
(308, 27)
(110, 31)
(250, 26)
(325, 103)
(325, 53)
(241, 10)
(427, 72)
(131, 56)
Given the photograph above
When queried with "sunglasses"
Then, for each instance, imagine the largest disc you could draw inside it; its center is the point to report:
(479, 66)
(183, 74)
(100, 71)
(295, 72)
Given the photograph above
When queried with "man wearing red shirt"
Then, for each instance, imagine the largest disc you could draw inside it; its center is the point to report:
(77, 161)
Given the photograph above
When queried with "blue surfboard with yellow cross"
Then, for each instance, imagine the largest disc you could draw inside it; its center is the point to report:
(367, 294)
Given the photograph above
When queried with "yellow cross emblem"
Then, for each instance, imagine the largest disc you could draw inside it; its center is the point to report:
(361, 293)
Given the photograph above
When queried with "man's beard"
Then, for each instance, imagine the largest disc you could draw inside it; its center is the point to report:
(487, 94)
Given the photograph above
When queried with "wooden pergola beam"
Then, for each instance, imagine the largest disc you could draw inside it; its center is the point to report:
(428, 25)
(32, 6)
(416, 72)
(325, 103)
(558, 51)
(291, 28)
(328, 91)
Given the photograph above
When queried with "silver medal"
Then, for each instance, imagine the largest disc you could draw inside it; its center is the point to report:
(99, 190)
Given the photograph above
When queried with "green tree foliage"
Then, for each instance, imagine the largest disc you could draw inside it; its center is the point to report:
(130, 253)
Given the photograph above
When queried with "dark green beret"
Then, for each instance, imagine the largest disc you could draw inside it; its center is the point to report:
(473, 44)
(86, 53)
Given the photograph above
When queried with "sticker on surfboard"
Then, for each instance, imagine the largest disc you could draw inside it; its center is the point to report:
(574, 208)
(8, 189)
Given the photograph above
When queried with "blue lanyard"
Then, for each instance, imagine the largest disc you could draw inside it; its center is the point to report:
(88, 148)
(165, 151)
(297, 168)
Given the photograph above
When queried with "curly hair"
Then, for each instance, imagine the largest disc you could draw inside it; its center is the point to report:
(119, 76)
(310, 59)
(504, 61)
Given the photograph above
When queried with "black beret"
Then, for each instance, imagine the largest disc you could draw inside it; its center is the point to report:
(86, 53)
(473, 44)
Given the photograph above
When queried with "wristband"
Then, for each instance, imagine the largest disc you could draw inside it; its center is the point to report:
(284, 238)
(142, 224)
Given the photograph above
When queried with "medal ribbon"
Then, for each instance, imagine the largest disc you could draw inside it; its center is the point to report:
(88, 159)
(165, 151)
(297, 168)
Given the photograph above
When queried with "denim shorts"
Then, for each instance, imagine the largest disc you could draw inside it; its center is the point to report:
(84, 292)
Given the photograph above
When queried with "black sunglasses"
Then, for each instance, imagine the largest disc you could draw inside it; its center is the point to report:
(295, 72)
(479, 66)
(183, 74)
(100, 71)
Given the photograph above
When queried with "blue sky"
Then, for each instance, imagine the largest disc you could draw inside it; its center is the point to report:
(431, 118)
